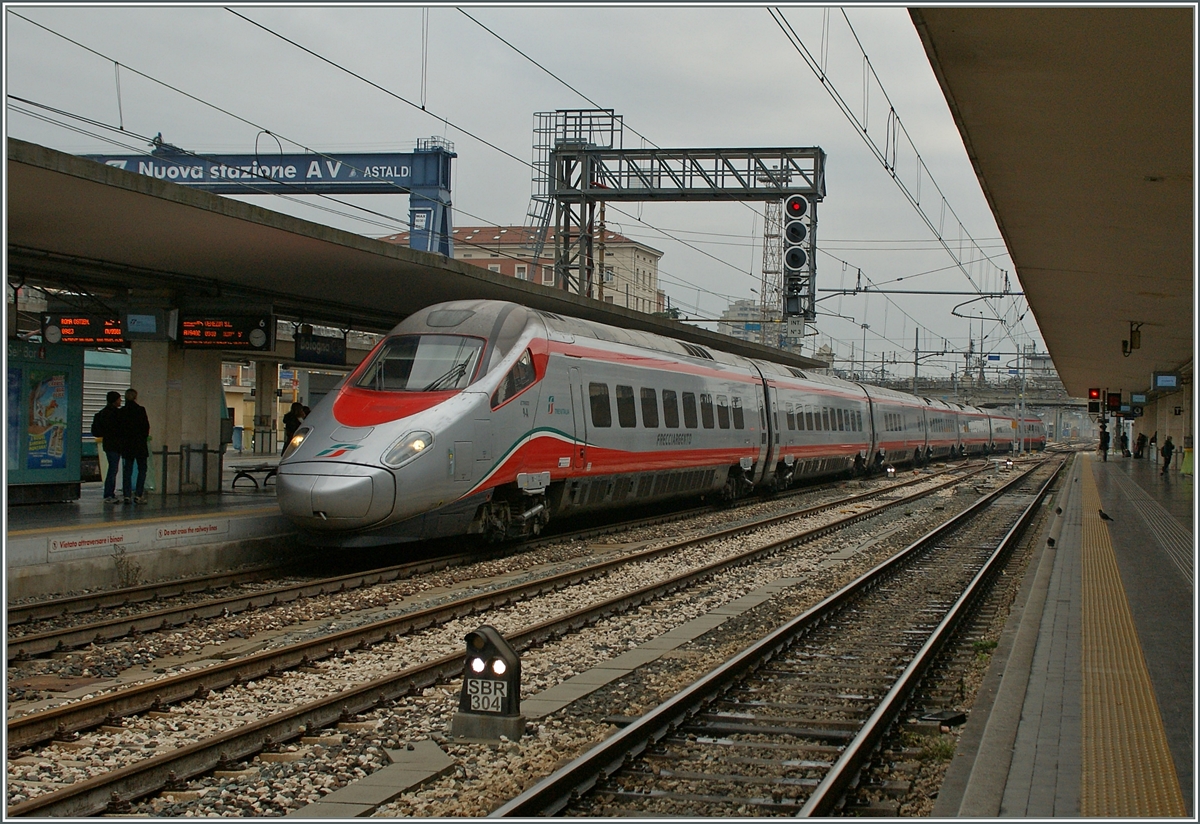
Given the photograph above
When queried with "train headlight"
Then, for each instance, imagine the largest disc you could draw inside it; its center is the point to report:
(296, 440)
(407, 448)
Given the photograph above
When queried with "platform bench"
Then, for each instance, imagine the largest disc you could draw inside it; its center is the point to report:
(248, 472)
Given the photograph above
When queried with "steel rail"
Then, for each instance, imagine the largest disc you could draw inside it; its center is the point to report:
(553, 793)
(832, 788)
(74, 605)
(94, 795)
(44, 725)
(21, 647)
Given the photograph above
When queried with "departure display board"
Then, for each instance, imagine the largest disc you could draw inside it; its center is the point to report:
(228, 331)
(84, 330)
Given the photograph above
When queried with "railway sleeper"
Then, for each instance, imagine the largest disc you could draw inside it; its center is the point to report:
(690, 800)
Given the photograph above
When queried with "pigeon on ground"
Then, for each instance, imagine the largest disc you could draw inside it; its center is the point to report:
(1104, 516)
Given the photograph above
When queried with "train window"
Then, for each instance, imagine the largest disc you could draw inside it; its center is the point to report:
(670, 409)
(649, 408)
(601, 411)
(689, 410)
(838, 422)
(825, 419)
(626, 409)
(858, 415)
(791, 417)
(808, 418)
(723, 411)
(739, 418)
(423, 363)
(520, 376)
(706, 410)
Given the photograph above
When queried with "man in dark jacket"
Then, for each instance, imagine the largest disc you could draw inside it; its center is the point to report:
(104, 429)
(1168, 449)
(133, 429)
(291, 422)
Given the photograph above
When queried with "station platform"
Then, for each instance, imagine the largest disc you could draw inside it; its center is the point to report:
(87, 544)
(1087, 708)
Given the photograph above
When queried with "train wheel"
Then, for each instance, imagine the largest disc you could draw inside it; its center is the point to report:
(496, 521)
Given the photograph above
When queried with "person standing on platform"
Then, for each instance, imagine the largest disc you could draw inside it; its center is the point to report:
(134, 430)
(1139, 445)
(105, 428)
(1168, 449)
(291, 422)
(1104, 441)
(1124, 445)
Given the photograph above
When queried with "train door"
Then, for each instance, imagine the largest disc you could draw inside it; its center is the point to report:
(579, 401)
(764, 438)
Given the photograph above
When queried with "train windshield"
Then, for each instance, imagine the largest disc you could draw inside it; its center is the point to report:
(423, 363)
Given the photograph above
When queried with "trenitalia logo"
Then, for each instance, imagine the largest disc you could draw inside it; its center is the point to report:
(336, 450)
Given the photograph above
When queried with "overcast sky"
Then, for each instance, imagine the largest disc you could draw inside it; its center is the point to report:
(680, 77)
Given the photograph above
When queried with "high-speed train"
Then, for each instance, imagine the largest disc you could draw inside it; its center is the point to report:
(486, 417)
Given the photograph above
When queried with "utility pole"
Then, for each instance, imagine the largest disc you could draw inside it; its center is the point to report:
(865, 327)
(600, 254)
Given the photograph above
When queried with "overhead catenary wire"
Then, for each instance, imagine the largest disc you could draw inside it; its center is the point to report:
(466, 132)
(400, 221)
(882, 155)
(895, 127)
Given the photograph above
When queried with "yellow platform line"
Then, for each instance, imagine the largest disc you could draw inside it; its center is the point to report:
(1127, 766)
(230, 513)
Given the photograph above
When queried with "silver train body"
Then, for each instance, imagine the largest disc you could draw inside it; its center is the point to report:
(488, 417)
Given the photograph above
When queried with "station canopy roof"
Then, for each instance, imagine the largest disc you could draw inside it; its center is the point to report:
(1080, 124)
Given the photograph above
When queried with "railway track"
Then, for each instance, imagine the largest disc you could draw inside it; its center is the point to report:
(784, 727)
(94, 794)
(28, 642)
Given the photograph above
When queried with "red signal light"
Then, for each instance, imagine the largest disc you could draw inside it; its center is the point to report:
(796, 206)
(1093, 394)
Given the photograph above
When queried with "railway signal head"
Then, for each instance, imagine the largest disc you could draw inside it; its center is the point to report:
(797, 256)
(490, 704)
(795, 207)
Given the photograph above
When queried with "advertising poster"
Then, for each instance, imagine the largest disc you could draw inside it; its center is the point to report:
(47, 431)
(14, 417)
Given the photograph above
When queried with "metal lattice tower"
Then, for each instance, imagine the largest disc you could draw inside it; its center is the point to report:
(770, 291)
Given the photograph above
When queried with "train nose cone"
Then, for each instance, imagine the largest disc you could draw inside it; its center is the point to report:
(329, 496)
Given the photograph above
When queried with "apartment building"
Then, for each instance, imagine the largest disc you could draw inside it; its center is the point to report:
(630, 267)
